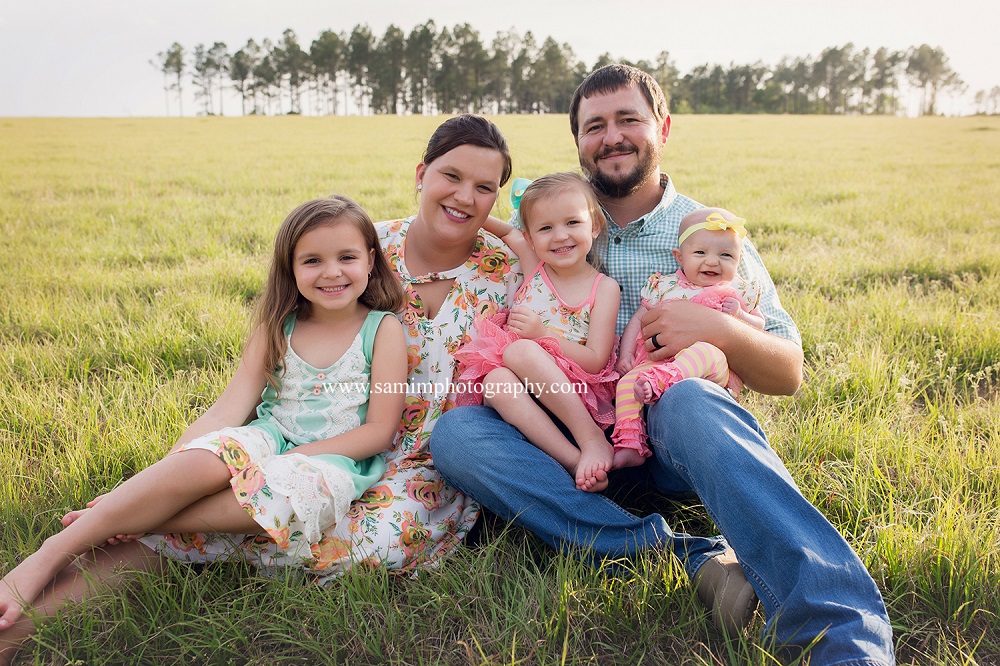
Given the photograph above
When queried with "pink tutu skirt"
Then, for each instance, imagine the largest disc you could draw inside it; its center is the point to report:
(485, 353)
(713, 297)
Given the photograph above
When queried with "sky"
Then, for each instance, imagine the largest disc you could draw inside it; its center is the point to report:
(92, 57)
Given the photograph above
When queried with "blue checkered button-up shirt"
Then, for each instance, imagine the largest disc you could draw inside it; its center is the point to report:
(643, 247)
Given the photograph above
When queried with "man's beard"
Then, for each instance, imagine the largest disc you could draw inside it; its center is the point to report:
(617, 186)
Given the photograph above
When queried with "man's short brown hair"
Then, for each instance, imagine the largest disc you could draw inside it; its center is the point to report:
(611, 78)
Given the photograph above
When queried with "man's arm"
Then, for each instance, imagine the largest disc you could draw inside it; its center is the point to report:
(765, 362)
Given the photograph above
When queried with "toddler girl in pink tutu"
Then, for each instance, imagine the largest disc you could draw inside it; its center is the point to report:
(552, 354)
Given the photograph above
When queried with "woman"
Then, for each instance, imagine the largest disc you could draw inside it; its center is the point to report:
(450, 270)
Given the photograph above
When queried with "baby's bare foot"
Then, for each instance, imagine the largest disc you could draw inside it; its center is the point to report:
(643, 391)
(627, 458)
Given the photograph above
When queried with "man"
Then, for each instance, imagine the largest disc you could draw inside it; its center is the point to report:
(813, 587)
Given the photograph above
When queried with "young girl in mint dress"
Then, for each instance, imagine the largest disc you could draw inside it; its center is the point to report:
(324, 335)
(451, 270)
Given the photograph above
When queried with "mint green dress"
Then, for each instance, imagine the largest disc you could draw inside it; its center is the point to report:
(294, 497)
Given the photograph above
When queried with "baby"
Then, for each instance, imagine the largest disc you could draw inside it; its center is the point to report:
(709, 247)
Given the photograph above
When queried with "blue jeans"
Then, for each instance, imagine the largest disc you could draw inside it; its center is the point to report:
(807, 577)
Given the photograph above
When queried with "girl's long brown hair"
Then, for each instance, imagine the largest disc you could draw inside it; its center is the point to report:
(281, 297)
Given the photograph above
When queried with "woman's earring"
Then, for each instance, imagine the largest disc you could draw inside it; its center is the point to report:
(420, 186)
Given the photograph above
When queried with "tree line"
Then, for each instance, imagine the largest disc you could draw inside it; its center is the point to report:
(451, 70)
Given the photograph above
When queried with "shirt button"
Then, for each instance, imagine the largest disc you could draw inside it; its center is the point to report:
(618, 240)
(321, 376)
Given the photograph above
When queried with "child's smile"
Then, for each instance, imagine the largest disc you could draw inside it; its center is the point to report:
(560, 229)
(331, 266)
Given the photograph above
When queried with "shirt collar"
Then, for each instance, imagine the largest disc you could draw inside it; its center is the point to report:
(669, 194)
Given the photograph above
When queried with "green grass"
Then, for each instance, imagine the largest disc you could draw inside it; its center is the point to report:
(133, 248)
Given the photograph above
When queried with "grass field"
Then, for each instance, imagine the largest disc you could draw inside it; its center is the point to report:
(132, 250)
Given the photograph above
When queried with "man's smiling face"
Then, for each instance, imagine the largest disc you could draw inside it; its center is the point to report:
(620, 142)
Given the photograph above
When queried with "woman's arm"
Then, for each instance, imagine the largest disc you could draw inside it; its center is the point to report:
(498, 227)
(240, 398)
(385, 401)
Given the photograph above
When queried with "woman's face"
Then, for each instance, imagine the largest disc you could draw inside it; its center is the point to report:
(458, 190)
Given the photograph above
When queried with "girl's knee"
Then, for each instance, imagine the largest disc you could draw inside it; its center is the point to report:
(522, 352)
(500, 376)
(498, 387)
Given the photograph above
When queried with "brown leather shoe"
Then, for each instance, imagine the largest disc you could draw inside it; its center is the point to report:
(725, 590)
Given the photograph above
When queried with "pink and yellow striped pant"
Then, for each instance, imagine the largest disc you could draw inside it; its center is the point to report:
(702, 359)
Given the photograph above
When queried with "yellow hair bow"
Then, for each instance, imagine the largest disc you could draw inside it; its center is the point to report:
(715, 222)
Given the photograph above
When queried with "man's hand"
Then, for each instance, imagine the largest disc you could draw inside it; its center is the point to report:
(677, 325)
(765, 362)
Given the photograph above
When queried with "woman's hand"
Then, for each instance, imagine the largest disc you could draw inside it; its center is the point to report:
(526, 323)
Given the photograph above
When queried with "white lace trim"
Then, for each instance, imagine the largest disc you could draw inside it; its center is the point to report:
(308, 408)
(320, 493)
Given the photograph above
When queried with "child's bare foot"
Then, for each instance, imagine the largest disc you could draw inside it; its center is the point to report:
(20, 587)
(627, 458)
(644, 391)
(595, 483)
(595, 463)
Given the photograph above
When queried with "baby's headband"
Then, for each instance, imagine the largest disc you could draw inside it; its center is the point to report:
(715, 222)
